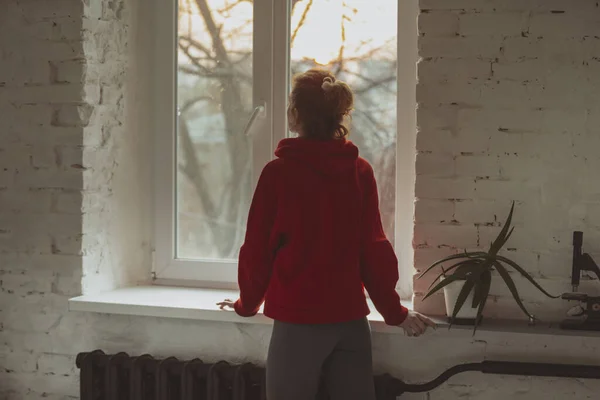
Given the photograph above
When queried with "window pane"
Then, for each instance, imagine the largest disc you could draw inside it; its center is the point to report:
(356, 40)
(214, 103)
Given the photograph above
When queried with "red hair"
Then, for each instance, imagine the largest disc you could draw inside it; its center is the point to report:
(318, 105)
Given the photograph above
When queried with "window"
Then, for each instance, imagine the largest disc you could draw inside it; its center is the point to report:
(223, 70)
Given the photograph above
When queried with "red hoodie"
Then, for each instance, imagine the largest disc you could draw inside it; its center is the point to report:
(314, 239)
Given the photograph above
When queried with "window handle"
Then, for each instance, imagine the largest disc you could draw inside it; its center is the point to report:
(259, 111)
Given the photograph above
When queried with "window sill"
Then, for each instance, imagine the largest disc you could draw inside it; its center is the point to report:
(183, 303)
(200, 304)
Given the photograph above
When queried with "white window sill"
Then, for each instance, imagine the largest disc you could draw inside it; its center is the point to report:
(183, 303)
(200, 304)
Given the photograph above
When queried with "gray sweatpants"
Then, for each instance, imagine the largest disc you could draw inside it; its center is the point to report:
(300, 354)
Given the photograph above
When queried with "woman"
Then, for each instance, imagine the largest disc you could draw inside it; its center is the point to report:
(314, 242)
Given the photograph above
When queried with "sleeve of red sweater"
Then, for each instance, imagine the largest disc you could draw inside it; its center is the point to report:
(256, 255)
(379, 265)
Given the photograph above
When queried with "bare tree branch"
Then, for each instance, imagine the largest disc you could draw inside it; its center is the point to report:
(301, 22)
(240, 205)
(385, 173)
(243, 58)
(194, 60)
(375, 84)
(191, 168)
(237, 32)
(372, 83)
(368, 55)
(189, 104)
(234, 107)
(194, 43)
(206, 73)
(231, 6)
(213, 31)
(340, 61)
(378, 127)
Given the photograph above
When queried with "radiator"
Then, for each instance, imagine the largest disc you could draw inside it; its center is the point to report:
(123, 377)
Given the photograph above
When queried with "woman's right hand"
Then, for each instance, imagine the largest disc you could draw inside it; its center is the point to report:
(226, 304)
(416, 324)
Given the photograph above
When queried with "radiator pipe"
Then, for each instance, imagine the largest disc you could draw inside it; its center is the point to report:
(538, 369)
(429, 386)
(503, 368)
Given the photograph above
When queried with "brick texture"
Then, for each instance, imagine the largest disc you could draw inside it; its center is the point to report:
(507, 111)
(71, 166)
(43, 109)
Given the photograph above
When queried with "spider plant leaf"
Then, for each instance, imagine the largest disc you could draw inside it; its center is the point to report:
(485, 284)
(474, 254)
(501, 238)
(480, 287)
(469, 269)
(450, 258)
(444, 283)
(526, 275)
(511, 286)
(462, 297)
(457, 265)
(443, 260)
(477, 268)
(501, 245)
(488, 263)
(477, 291)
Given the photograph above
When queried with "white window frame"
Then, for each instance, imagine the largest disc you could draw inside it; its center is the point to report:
(270, 89)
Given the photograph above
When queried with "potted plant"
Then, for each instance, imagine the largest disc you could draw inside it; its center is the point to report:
(467, 281)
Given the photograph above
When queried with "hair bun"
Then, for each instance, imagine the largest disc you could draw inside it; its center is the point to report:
(338, 95)
(328, 83)
(318, 104)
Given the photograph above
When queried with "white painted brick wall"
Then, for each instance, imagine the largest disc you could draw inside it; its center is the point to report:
(75, 188)
(65, 161)
(513, 105)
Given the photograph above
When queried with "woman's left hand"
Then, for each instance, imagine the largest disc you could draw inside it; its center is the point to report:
(227, 303)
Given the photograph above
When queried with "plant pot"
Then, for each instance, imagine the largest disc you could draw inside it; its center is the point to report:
(467, 314)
